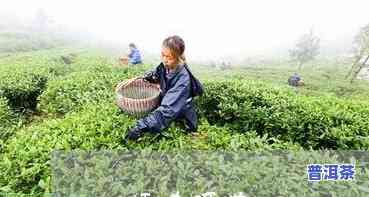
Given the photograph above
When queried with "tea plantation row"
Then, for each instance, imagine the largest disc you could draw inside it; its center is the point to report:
(76, 102)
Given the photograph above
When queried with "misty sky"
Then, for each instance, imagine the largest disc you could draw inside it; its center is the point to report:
(210, 28)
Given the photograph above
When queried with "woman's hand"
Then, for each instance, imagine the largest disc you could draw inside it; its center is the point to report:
(134, 134)
(150, 77)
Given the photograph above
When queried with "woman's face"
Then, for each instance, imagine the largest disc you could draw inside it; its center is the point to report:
(169, 58)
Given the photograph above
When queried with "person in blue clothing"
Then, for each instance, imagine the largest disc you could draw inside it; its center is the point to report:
(295, 80)
(134, 55)
(178, 87)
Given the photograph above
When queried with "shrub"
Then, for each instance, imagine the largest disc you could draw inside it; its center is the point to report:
(22, 89)
(70, 92)
(25, 161)
(5, 113)
(25, 164)
(313, 122)
(7, 120)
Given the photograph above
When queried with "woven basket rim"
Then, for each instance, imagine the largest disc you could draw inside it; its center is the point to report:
(118, 91)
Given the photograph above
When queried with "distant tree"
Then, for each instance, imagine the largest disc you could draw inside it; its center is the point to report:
(361, 52)
(306, 49)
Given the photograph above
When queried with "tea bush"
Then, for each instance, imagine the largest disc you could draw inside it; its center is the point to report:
(23, 78)
(236, 114)
(5, 113)
(7, 120)
(25, 163)
(313, 122)
(190, 173)
(22, 88)
(70, 92)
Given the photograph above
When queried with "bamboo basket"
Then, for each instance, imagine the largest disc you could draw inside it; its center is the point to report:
(137, 97)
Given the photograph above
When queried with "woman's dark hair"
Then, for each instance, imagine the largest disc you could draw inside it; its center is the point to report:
(177, 45)
(132, 45)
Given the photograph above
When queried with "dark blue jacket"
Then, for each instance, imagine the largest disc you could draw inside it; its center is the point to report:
(176, 100)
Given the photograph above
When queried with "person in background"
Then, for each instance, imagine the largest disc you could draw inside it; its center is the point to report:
(134, 55)
(295, 80)
(178, 87)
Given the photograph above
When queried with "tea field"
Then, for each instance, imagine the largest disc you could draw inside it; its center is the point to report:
(64, 99)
